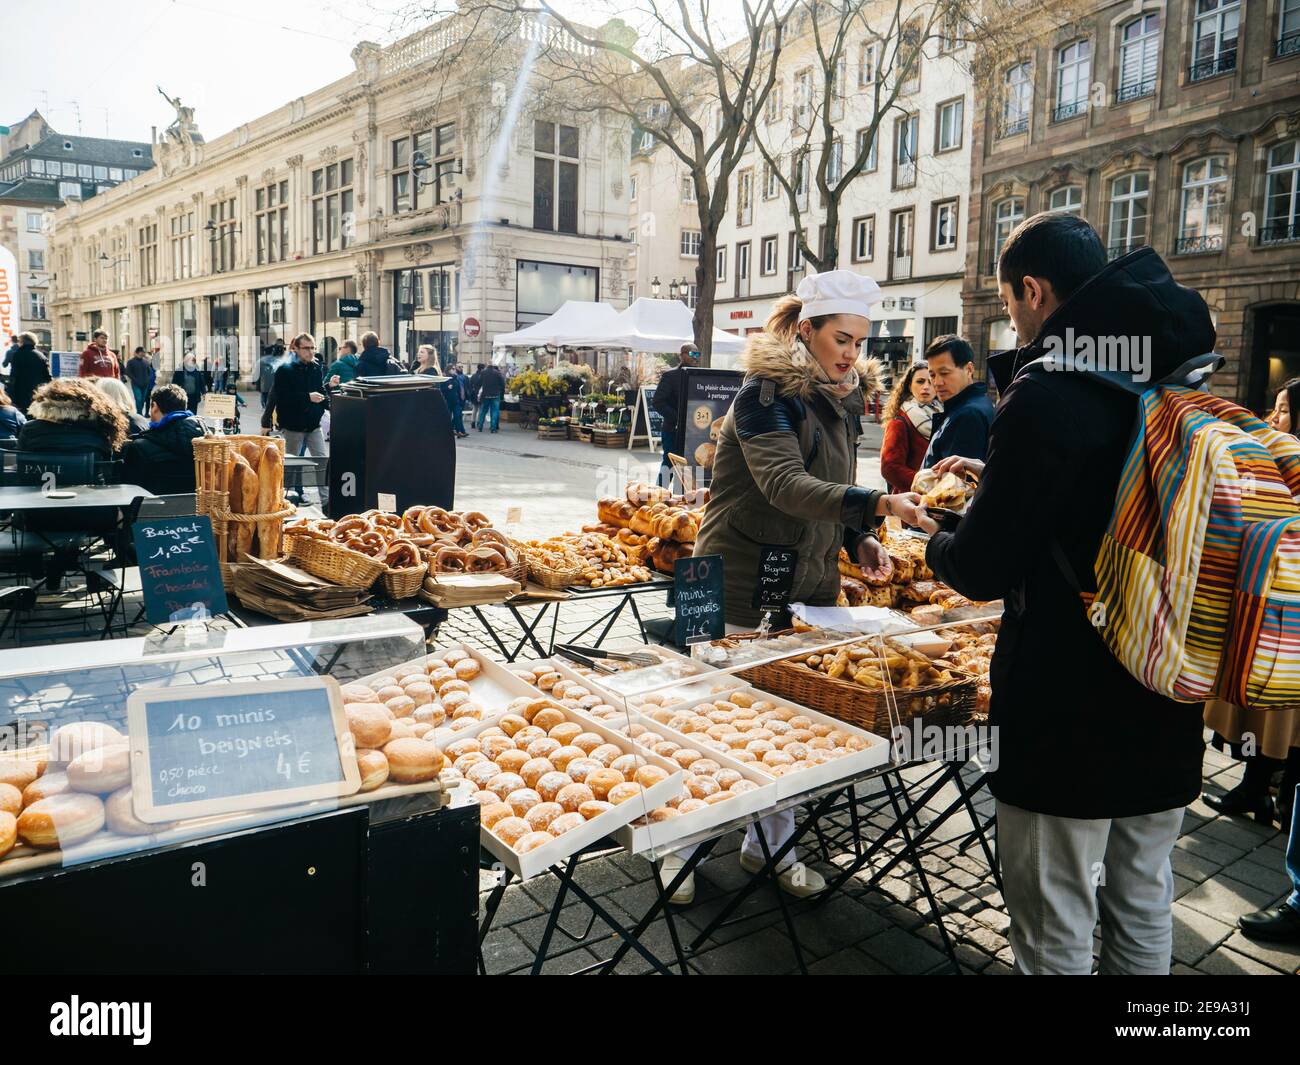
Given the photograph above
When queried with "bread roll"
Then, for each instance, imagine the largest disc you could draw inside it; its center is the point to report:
(102, 770)
(270, 486)
(61, 819)
(8, 832)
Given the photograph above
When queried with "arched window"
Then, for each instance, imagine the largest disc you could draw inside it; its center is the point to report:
(1073, 73)
(1204, 205)
(1068, 200)
(1007, 214)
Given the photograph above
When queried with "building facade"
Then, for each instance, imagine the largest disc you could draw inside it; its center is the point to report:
(1169, 123)
(450, 203)
(39, 172)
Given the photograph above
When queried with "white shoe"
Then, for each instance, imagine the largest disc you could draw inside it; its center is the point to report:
(798, 879)
(668, 870)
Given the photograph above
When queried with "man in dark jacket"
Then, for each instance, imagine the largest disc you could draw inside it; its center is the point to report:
(28, 370)
(666, 400)
(375, 361)
(161, 458)
(491, 387)
(963, 428)
(139, 374)
(1093, 769)
(299, 401)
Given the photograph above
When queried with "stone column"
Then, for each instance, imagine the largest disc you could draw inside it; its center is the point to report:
(248, 351)
(203, 339)
(167, 356)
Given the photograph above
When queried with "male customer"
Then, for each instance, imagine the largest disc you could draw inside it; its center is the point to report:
(344, 368)
(963, 427)
(491, 387)
(667, 396)
(299, 401)
(97, 360)
(266, 367)
(1093, 768)
(139, 372)
(375, 361)
(161, 458)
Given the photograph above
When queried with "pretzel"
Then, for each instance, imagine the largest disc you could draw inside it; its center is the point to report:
(450, 560)
(439, 522)
(483, 550)
(411, 519)
(369, 543)
(385, 520)
(420, 539)
(402, 554)
(475, 520)
(346, 528)
(322, 527)
(490, 536)
(484, 560)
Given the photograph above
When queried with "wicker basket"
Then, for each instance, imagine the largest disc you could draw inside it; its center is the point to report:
(941, 704)
(212, 497)
(225, 524)
(336, 563)
(548, 576)
(403, 583)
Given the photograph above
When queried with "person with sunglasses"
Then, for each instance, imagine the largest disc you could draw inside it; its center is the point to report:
(667, 395)
(298, 402)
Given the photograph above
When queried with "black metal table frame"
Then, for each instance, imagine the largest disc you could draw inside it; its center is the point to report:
(836, 797)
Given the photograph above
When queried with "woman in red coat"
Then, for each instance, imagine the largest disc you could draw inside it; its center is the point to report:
(907, 418)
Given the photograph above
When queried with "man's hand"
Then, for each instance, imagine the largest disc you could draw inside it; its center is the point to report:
(958, 465)
(315, 397)
(874, 559)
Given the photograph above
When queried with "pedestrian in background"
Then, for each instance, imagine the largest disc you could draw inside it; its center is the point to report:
(299, 402)
(344, 368)
(908, 418)
(375, 361)
(962, 429)
(491, 387)
(139, 372)
(97, 360)
(29, 368)
(453, 390)
(11, 418)
(667, 396)
(193, 381)
(266, 367)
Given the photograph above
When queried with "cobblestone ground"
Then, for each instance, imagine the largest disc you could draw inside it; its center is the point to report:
(1223, 867)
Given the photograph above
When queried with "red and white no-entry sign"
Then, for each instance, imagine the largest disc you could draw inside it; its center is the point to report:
(471, 327)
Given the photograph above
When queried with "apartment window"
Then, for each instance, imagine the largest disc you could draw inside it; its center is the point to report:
(35, 259)
(871, 149)
(744, 197)
(767, 262)
(1017, 99)
(900, 244)
(271, 221)
(688, 188)
(1129, 202)
(775, 105)
(555, 177)
(631, 293)
(1282, 194)
(722, 264)
(1139, 53)
(835, 163)
(33, 221)
(100, 173)
(905, 133)
(838, 85)
(1006, 216)
(864, 239)
(796, 250)
(646, 142)
(943, 225)
(182, 238)
(690, 244)
(36, 306)
(1214, 38)
(1067, 200)
(937, 327)
(866, 64)
(114, 173)
(950, 33)
(1288, 28)
(692, 295)
(742, 269)
(1073, 73)
(771, 182)
(423, 165)
(85, 170)
(1205, 202)
(147, 249)
(803, 94)
(948, 125)
(222, 238)
(331, 208)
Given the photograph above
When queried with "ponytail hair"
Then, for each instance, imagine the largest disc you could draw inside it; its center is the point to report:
(783, 322)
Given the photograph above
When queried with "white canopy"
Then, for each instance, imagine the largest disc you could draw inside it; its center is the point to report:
(578, 323)
(665, 325)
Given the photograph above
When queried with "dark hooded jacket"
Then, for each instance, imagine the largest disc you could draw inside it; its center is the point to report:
(1077, 735)
(162, 458)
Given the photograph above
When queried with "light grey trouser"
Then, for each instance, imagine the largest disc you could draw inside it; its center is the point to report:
(1059, 872)
(314, 442)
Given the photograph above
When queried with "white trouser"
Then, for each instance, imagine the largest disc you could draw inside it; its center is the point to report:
(1059, 872)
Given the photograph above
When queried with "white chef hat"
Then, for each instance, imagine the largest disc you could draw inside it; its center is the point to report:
(837, 292)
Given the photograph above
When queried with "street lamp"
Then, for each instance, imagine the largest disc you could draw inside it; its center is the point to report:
(104, 260)
(672, 289)
(684, 290)
(655, 286)
(419, 163)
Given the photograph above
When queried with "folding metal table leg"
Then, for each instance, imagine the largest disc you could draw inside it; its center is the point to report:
(567, 880)
(553, 918)
(909, 849)
(770, 870)
(978, 826)
(489, 915)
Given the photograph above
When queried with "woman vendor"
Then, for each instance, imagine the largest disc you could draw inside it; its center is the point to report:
(785, 475)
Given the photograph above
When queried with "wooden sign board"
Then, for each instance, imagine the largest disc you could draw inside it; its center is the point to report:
(647, 423)
(222, 748)
(698, 600)
(775, 578)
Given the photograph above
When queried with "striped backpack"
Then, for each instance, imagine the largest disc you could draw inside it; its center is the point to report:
(1198, 575)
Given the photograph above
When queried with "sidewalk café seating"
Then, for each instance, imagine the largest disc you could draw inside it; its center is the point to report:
(121, 576)
(15, 601)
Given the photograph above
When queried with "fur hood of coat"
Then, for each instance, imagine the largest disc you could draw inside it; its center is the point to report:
(767, 355)
(73, 402)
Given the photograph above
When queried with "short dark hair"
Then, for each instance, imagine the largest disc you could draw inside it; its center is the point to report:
(138, 351)
(960, 350)
(350, 345)
(1060, 248)
(98, 333)
(170, 398)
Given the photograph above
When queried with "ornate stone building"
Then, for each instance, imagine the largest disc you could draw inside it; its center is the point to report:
(437, 187)
(1174, 124)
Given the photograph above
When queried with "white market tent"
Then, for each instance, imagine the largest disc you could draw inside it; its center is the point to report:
(663, 326)
(578, 323)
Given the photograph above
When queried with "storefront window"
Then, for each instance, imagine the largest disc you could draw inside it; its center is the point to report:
(185, 328)
(542, 288)
(427, 311)
(271, 304)
(224, 353)
(326, 325)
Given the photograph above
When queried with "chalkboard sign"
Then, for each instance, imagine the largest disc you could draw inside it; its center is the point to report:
(706, 396)
(219, 748)
(775, 578)
(697, 588)
(178, 568)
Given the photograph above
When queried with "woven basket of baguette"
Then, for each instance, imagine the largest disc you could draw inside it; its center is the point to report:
(239, 484)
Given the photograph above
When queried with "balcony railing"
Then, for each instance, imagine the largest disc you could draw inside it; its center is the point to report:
(1198, 245)
(1288, 45)
(1212, 68)
(567, 222)
(1116, 250)
(1015, 126)
(904, 175)
(1070, 110)
(900, 268)
(1135, 91)
(1281, 233)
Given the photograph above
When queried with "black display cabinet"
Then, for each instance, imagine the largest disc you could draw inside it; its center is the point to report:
(396, 441)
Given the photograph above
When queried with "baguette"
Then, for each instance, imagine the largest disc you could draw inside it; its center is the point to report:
(243, 500)
(251, 451)
(270, 478)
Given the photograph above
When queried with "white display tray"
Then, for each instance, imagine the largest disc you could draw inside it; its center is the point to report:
(877, 754)
(526, 866)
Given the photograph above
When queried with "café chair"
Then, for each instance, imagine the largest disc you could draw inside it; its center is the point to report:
(14, 602)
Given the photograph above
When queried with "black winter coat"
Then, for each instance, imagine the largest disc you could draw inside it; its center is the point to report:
(289, 402)
(1077, 735)
(28, 370)
(666, 398)
(376, 362)
(162, 459)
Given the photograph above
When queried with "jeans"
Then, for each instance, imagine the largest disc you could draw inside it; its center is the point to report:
(491, 406)
(1059, 872)
(1293, 853)
(141, 399)
(313, 443)
(457, 418)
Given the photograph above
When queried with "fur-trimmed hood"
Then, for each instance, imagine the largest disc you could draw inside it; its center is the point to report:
(73, 402)
(767, 355)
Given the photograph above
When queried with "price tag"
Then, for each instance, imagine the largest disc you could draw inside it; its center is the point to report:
(775, 578)
(179, 573)
(698, 598)
(514, 515)
(386, 502)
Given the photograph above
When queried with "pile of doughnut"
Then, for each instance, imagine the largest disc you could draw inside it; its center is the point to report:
(539, 773)
(393, 717)
(575, 696)
(81, 786)
(774, 739)
(447, 541)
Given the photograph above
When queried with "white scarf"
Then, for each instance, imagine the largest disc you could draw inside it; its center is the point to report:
(921, 416)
